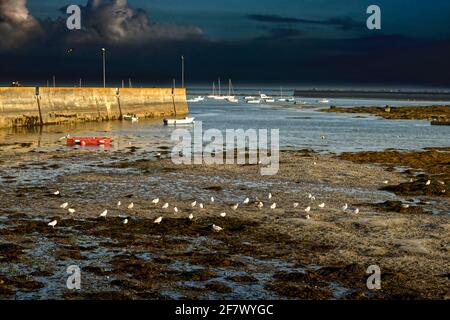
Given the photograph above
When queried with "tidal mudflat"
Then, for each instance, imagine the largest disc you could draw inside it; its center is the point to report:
(260, 253)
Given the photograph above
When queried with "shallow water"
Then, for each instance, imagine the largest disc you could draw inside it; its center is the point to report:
(299, 128)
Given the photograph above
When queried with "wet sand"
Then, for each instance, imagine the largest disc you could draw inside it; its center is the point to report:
(261, 253)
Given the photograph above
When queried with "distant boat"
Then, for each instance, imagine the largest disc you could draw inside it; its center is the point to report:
(282, 99)
(196, 99)
(271, 100)
(213, 95)
(231, 98)
(249, 98)
(324, 101)
(254, 101)
(174, 122)
(130, 117)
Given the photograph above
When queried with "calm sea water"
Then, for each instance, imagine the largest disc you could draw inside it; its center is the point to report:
(299, 128)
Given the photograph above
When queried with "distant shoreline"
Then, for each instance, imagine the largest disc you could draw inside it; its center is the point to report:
(375, 94)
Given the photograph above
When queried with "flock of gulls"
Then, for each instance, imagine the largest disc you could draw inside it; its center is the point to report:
(195, 204)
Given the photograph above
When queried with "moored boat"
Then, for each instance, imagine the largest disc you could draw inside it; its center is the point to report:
(186, 120)
(89, 141)
(130, 117)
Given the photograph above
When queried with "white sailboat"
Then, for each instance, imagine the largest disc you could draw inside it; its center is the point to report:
(231, 97)
(213, 95)
(282, 99)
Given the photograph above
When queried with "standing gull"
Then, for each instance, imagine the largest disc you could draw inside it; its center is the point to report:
(158, 220)
(53, 223)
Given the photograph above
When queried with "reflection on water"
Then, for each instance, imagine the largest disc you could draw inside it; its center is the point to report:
(299, 128)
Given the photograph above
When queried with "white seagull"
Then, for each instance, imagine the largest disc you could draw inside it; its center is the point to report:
(71, 210)
(56, 193)
(125, 221)
(223, 214)
(308, 209)
(386, 181)
(53, 223)
(212, 199)
(158, 220)
(235, 207)
(155, 201)
(246, 201)
(307, 217)
(165, 206)
(269, 196)
(428, 182)
(322, 205)
(175, 209)
(260, 205)
(119, 203)
(191, 216)
(104, 214)
(64, 205)
(216, 228)
(345, 207)
(193, 204)
(131, 206)
(273, 206)
(356, 211)
(201, 205)
(296, 204)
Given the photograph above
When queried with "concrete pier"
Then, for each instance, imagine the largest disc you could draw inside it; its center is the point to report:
(29, 106)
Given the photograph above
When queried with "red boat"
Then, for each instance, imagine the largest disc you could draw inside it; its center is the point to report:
(89, 141)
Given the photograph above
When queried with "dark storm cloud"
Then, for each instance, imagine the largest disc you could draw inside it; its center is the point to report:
(105, 22)
(17, 26)
(343, 23)
(115, 22)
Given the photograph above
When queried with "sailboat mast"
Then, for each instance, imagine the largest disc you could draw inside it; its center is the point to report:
(229, 87)
(214, 88)
(220, 92)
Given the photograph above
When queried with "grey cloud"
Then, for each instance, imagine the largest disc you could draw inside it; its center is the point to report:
(115, 22)
(106, 22)
(17, 26)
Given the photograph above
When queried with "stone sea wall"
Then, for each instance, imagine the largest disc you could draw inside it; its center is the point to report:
(25, 107)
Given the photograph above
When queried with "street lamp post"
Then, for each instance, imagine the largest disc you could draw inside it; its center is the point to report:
(182, 71)
(104, 67)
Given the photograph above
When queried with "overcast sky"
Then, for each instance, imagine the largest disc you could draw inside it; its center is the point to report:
(298, 42)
